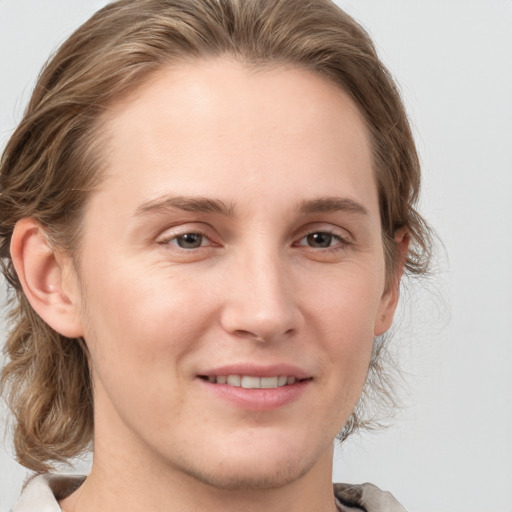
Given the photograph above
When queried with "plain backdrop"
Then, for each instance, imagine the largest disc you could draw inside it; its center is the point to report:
(450, 448)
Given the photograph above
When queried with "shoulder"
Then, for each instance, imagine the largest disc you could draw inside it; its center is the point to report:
(365, 497)
(42, 492)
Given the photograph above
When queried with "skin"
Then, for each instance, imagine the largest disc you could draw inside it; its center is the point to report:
(283, 276)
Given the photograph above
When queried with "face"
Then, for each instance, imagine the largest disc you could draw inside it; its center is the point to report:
(232, 273)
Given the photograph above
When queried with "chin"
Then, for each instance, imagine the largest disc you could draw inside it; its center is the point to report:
(251, 476)
(255, 466)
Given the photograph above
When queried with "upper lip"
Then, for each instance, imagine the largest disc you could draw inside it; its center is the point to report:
(250, 369)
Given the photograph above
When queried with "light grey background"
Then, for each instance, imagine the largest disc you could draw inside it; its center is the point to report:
(451, 448)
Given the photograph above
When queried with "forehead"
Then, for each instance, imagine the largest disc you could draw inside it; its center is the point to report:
(208, 126)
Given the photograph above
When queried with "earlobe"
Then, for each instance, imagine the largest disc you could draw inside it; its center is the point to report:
(45, 278)
(389, 300)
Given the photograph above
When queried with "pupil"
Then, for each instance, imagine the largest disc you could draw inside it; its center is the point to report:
(320, 239)
(190, 241)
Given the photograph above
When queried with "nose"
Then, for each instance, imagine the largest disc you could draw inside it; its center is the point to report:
(260, 302)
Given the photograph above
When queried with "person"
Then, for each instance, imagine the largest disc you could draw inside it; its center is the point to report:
(206, 213)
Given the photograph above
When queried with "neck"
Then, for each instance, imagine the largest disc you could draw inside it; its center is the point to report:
(116, 485)
(131, 475)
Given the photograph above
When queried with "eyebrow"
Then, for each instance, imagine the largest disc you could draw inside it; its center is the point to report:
(188, 204)
(332, 204)
(209, 205)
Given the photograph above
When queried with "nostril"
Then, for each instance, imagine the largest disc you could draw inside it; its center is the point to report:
(246, 321)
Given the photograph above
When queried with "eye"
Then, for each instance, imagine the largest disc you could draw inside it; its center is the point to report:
(189, 240)
(322, 240)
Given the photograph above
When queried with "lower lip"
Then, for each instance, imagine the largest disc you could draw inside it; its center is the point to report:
(258, 399)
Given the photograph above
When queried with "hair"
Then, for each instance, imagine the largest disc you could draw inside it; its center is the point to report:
(53, 160)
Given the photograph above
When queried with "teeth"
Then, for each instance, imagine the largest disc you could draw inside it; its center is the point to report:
(281, 381)
(269, 382)
(234, 380)
(250, 382)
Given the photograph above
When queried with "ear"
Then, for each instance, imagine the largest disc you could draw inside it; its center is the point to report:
(47, 277)
(389, 299)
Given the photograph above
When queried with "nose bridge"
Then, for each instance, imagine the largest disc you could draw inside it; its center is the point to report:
(262, 303)
(268, 276)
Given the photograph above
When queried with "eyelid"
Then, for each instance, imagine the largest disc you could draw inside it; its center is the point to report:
(342, 241)
(320, 227)
(175, 232)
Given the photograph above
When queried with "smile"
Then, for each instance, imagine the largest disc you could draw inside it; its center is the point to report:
(251, 382)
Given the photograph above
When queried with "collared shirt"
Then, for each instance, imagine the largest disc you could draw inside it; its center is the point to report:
(42, 492)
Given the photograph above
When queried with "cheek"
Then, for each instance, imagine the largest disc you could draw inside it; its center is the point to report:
(349, 302)
(139, 334)
(138, 325)
(346, 313)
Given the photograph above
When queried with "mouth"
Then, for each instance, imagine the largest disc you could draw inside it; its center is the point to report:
(256, 388)
(253, 382)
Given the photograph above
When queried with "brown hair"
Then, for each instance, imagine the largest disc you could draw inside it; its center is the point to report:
(54, 158)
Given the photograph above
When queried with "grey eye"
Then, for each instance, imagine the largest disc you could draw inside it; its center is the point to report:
(319, 240)
(189, 240)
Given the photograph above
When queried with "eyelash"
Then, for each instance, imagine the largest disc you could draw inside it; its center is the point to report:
(174, 238)
(342, 243)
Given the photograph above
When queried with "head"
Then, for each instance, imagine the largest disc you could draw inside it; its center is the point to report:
(59, 158)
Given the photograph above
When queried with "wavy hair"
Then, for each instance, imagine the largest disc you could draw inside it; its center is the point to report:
(54, 158)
